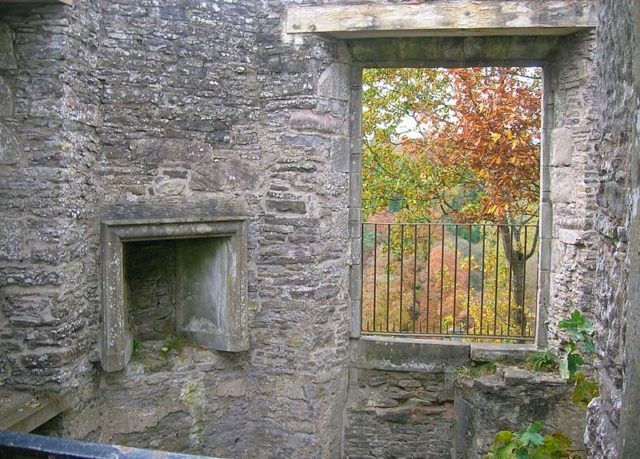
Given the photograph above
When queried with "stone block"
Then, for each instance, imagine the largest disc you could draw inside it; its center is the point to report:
(307, 120)
(341, 154)
(6, 99)
(11, 244)
(286, 206)
(334, 82)
(563, 184)
(7, 55)
(572, 237)
(489, 352)
(9, 148)
(563, 147)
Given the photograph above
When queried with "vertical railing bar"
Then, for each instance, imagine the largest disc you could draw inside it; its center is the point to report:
(511, 231)
(524, 281)
(495, 291)
(484, 235)
(428, 272)
(375, 271)
(441, 276)
(415, 272)
(537, 278)
(469, 280)
(388, 269)
(455, 276)
(362, 277)
(401, 272)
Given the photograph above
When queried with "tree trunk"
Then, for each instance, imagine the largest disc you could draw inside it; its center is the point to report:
(517, 259)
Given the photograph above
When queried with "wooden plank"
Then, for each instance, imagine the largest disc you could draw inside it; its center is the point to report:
(23, 412)
(445, 18)
(34, 2)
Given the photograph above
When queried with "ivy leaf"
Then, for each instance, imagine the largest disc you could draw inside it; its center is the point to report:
(531, 437)
(504, 436)
(573, 362)
(506, 451)
(576, 320)
(589, 347)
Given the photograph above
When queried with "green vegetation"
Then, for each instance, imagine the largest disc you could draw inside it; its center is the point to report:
(454, 146)
(575, 352)
(543, 361)
(530, 444)
(478, 370)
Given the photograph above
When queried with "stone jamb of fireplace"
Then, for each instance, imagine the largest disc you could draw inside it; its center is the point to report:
(230, 271)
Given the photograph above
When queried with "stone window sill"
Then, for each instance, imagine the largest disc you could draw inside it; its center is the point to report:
(410, 354)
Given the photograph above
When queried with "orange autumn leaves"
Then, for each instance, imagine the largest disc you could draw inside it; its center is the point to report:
(452, 145)
(461, 142)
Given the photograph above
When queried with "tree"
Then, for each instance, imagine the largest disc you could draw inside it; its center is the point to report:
(461, 144)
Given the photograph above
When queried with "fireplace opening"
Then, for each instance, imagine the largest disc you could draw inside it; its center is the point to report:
(150, 285)
(169, 278)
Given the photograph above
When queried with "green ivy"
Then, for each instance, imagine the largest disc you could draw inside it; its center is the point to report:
(530, 444)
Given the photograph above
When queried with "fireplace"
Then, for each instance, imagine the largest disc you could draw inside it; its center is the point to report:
(177, 275)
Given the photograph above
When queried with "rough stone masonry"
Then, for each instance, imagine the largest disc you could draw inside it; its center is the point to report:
(176, 105)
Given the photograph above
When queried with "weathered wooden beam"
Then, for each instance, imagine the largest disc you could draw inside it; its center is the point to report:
(23, 412)
(34, 2)
(445, 18)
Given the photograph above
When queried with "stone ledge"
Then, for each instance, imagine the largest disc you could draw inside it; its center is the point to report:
(490, 352)
(408, 354)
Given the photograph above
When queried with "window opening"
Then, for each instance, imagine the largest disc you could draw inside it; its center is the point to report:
(450, 201)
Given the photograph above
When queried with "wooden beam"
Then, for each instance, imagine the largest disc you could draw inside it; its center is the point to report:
(35, 2)
(23, 412)
(445, 18)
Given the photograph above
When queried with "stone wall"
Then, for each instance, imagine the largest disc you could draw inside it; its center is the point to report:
(511, 399)
(571, 183)
(400, 398)
(399, 414)
(186, 103)
(612, 421)
(49, 300)
(421, 399)
(178, 104)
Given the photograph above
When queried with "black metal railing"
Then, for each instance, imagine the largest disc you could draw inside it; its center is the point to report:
(17, 445)
(476, 281)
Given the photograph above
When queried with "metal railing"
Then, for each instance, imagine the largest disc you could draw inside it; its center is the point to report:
(477, 281)
(17, 445)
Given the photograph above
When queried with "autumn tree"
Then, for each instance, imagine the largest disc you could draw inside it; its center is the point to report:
(461, 144)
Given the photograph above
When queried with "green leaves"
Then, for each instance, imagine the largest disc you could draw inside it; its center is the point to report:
(578, 326)
(530, 438)
(580, 330)
(543, 361)
(584, 391)
(432, 134)
(530, 444)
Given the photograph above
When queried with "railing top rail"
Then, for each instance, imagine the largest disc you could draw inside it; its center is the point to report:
(29, 445)
(529, 225)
